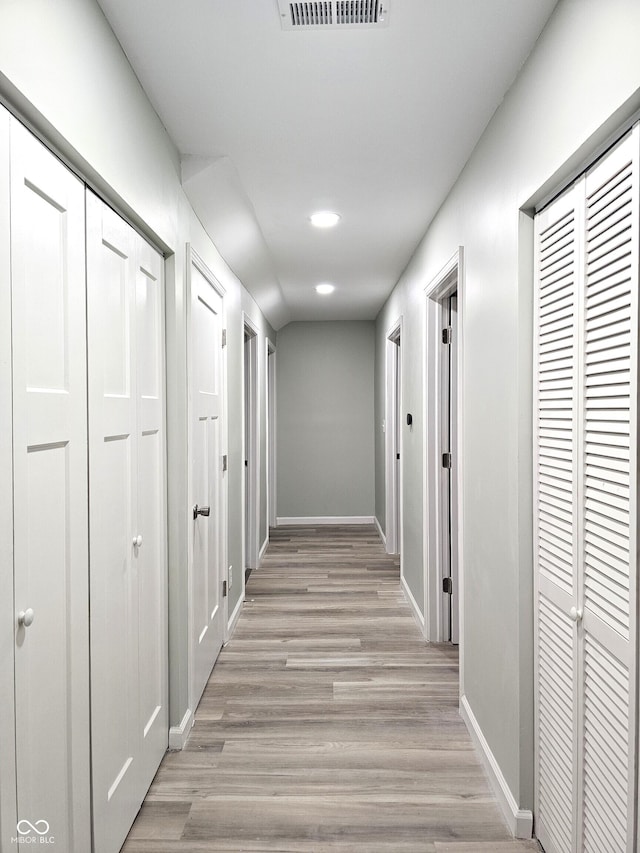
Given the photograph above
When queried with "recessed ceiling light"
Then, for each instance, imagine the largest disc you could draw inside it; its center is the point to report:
(325, 289)
(324, 219)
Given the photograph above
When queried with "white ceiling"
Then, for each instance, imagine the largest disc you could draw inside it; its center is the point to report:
(375, 124)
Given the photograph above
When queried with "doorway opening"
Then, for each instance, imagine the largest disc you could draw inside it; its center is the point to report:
(393, 440)
(442, 453)
(250, 449)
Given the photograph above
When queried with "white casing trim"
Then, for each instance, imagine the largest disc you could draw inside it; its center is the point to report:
(520, 821)
(178, 734)
(414, 604)
(326, 519)
(380, 531)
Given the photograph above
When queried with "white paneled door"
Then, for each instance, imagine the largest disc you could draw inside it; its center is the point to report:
(207, 513)
(50, 498)
(127, 520)
(586, 380)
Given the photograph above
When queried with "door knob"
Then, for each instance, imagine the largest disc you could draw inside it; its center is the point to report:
(575, 614)
(137, 540)
(200, 510)
(25, 617)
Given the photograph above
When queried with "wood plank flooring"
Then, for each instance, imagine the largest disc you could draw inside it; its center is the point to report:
(328, 724)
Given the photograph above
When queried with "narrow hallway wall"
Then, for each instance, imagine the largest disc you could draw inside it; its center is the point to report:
(580, 82)
(65, 74)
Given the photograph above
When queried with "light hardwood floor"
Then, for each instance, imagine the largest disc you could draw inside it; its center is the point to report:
(327, 724)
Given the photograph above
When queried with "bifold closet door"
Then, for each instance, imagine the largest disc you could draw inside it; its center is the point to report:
(586, 509)
(127, 520)
(50, 497)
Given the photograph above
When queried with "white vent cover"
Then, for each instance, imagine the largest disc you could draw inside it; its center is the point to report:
(333, 14)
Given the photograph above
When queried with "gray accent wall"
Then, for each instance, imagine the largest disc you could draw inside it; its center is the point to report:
(580, 83)
(324, 411)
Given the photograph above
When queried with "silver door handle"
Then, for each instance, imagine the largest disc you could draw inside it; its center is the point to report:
(200, 510)
(25, 618)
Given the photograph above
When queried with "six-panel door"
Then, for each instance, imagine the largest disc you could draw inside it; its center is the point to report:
(207, 477)
(50, 498)
(127, 520)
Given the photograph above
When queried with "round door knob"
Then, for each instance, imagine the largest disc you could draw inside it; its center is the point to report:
(25, 617)
(137, 540)
(575, 614)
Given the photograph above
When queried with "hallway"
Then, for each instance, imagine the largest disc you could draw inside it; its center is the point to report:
(327, 723)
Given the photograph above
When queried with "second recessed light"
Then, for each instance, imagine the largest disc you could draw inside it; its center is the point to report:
(325, 289)
(324, 219)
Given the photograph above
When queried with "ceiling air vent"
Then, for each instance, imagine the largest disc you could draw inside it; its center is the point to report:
(333, 14)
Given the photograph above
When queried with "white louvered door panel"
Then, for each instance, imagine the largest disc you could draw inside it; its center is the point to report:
(586, 456)
(557, 267)
(609, 486)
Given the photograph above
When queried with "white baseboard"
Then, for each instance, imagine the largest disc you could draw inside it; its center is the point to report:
(326, 519)
(263, 548)
(233, 619)
(380, 531)
(414, 604)
(520, 821)
(178, 734)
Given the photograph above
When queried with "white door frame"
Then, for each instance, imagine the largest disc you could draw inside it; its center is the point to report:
(271, 435)
(449, 280)
(194, 260)
(8, 806)
(393, 439)
(251, 453)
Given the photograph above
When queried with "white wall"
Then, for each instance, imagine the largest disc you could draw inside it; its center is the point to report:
(325, 420)
(581, 80)
(64, 73)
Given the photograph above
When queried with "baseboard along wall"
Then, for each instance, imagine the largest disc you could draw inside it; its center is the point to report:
(325, 519)
(520, 821)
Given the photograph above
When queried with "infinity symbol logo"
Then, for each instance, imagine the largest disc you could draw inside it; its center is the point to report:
(41, 827)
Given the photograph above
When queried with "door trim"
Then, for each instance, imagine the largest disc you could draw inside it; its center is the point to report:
(251, 453)
(393, 439)
(271, 511)
(447, 281)
(8, 804)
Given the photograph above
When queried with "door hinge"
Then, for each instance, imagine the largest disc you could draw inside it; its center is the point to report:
(447, 586)
(225, 462)
(446, 335)
(224, 589)
(397, 456)
(446, 460)
(224, 337)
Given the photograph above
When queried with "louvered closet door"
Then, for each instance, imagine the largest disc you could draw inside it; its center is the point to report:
(586, 455)
(127, 520)
(608, 498)
(557, 266)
